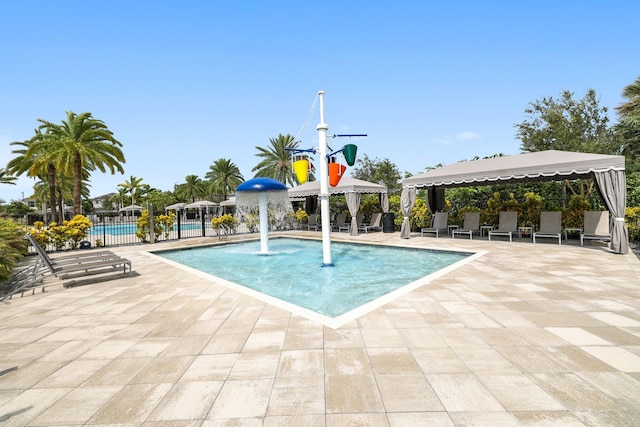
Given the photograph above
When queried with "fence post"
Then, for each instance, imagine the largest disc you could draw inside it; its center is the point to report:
(202, 216)
(152, 234)
(179, 215)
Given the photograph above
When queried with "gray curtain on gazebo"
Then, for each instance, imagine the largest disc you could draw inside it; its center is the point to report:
(407, 200)
(311, 204)
(612, 187)
(435, 199)
(353, 203)
(384, 202)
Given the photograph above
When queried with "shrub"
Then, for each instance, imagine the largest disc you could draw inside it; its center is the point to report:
(224, 224)
(166, 223)
(76, 230)
(13, 247)
(143, 231)
(302, 217)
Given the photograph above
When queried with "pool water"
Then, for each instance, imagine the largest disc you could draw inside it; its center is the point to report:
(292, 270)
(122, 229)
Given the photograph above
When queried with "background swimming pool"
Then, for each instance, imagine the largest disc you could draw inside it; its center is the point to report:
(122, 229)
(292, 271)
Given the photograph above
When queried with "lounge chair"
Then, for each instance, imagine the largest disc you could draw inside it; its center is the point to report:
(596, 227)
(438, 224)
(550, 226)
(340, 223)
(471, 225)
(507, 225)
(61, 267)
(374, 224)
(312, 224)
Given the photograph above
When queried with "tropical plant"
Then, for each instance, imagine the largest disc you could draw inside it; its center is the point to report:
(143, 228)
(628, 128)
(276, 163)
(301, 216)
(166, 222)
(88, 144)
(191, 190)
(531, 209)
(224, 224)
(13, 247)
(5, 178)
(132, 187)
(77, 229)
(224, 176)
(38, 157)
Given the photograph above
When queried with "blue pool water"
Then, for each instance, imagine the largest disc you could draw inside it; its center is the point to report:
(292, 271)
(122, 229)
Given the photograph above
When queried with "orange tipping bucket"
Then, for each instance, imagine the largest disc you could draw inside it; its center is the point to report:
(301, 169)
(336, 170)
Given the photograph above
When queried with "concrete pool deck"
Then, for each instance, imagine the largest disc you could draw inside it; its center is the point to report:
(524, 335)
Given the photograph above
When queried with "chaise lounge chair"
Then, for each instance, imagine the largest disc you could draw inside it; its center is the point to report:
(312, 223)
(97, 262)
(341, 220)
(507, 225)
(596, 227)
(471, 225)
(550, 226)
(374, 224)
(438, 224)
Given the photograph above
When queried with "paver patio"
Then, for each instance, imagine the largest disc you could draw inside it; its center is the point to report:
(525, 335)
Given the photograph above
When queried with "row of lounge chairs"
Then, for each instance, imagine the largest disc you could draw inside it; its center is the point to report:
(341, 223)
(596, 226)
(78, 264)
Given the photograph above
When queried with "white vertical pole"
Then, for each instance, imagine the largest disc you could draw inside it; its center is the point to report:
(264, 223)
(325, 213)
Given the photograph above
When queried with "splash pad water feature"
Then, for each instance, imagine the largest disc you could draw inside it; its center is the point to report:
(270, 196)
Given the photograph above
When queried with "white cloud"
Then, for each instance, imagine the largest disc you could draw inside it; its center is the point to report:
(464, 136)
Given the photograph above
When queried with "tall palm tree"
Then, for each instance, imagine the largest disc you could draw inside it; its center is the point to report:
(193, 188)
(224, 176)
(276, 161)
(40, 157)
(89, 145)
(5, 178)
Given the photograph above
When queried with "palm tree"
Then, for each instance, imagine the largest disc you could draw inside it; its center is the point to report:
(132, 186)
(224, 176)
(628, 128)
(630, 110)
(88, 144)
(5, 178)
(39, 157)
(193, 188)
(276, 162)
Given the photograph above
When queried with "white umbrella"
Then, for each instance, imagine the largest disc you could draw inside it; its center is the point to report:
(132, 208)
(176, 206)
(201, 204)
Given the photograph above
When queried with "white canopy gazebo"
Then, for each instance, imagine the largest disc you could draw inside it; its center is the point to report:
(351, 188)
(551, 165)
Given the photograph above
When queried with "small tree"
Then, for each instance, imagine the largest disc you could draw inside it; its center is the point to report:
(143, 229)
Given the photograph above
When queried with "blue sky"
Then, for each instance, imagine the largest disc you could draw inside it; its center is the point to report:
(182, 84)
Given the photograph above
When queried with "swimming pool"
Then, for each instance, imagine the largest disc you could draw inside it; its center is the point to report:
(130, 228)
(363, 273)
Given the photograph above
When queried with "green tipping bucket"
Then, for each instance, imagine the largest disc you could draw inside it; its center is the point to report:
(349, 152)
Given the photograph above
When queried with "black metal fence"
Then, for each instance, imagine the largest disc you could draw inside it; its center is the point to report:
(113, 229)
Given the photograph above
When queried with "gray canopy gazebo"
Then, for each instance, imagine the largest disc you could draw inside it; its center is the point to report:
(607, 171)
(351, 188)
